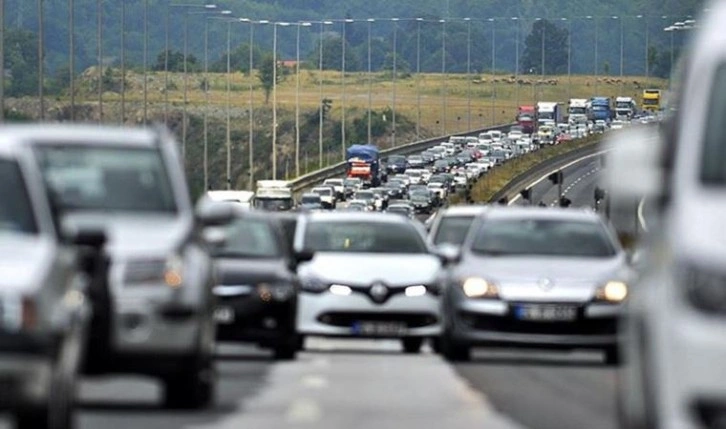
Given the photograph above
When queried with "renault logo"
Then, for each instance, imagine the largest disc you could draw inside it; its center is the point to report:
(379, 292)
(546, 284)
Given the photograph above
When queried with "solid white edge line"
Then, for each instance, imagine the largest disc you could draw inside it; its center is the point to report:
(538, 181)
(641, 217)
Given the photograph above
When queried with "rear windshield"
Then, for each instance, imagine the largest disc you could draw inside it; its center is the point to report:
(250, 238)
(543, 237)
(363, 237)
(16, 212)
(453, 230)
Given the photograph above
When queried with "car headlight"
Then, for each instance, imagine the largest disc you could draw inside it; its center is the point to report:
(706, 289)
(475, 287)
(612, 291)
(168, 271)
(314, 285)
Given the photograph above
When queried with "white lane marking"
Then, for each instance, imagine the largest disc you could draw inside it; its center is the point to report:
(303, 410)
(641, 217)
(314, 381)
(536, 182)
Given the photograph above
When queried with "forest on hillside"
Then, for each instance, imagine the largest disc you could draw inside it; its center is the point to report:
(582, 36)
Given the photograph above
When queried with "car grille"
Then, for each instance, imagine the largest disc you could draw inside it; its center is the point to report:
(412, 320)
(509, 324)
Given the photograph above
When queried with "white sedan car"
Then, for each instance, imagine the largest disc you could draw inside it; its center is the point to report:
(373, 275)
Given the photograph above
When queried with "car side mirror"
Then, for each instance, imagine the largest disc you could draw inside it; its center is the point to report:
(214, 237)
(211, 213)
(448, 254)
(299, 257)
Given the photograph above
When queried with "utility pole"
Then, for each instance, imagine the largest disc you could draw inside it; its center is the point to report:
(41, 56)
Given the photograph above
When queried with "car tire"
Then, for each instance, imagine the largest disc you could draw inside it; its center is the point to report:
(300, 342)
(192, 388)
(412, 345)
(612, 356)
(454, 352)
(286, 351)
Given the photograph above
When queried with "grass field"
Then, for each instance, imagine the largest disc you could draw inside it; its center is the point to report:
(473, 102)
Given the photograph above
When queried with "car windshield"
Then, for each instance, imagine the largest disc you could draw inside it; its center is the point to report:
(419, 196)
(273, 204)
(360, 236)
(108, 178)
(323, 191)
(404, 210)
(16, 211)
(334, 182)
(351, 182)
(452, 230)
(367, 195)
(250, 238)
(396, 159)
(310, 199)
(543, 237)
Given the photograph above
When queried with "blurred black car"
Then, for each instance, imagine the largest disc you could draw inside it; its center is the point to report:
(422, 201)
(396, 164)
(310, 201)
(257, 284)
(441, 166)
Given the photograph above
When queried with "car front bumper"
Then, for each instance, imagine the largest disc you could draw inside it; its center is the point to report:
(492, 322)
(325, 314)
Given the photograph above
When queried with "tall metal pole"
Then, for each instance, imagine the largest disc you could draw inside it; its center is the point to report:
(494, 63)
(647, 66)
(569, 58)
(166, 65)
(622, 20)
(320, 115)
(418, 78)
(443, 76)
(395, 73)
(229, 140)
(99, 40)
(516, 55)
(146, 60)
(274, 100)
(184, 118)
(41, 55)
(370, 83)
(251, 132)
(297, 102)
(206, 103)
(543, 49)
(71, 56)
(468, 72)
(597, 66)
(123, 62)
(2, 61)
(343, 97)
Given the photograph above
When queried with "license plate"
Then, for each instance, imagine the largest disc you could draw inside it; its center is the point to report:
(379, 329)
(224, 315)
(546, 313)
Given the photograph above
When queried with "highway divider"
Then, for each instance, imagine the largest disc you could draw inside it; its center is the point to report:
(338, 170)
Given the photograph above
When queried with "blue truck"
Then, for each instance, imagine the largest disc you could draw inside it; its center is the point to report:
(363, 162)
(601, 109)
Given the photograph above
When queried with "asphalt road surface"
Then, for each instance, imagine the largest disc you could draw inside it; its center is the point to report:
(371, 384)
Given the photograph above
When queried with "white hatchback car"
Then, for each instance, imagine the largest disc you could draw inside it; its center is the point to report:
(373, 275)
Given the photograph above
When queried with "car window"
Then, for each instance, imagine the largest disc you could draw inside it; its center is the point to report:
(713, 159)
(16, 211)
(362, 237)
(250, 238)
(453, 229)
(540, 237)
(310, 199)
(107, 178)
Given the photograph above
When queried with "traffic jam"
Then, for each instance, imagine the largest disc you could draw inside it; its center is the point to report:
(111, 268)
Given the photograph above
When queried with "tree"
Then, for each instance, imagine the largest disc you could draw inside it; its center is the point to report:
(333, 54)
(176, 62)
(267, 74)
(21, 59)
(239, 59)
(555, 48)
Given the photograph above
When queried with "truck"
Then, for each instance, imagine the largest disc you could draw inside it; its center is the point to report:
(601, 109)
(274, 195)
(577, 111)
(625, 108)
(651, 100)
(527, 118)
(363, 162)
(243, 198)
(548, 112)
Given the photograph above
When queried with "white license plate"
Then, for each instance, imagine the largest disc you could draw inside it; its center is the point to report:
(379, 329)
(546, 313)
(224, 315)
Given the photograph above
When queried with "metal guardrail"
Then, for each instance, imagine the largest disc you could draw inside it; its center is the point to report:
(524, 180)
(315, 177)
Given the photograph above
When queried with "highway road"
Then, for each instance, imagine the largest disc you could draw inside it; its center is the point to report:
(371, 384)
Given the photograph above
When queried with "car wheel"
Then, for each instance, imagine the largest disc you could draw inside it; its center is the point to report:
(57, 413)
(436, 344)
(286, 351)
(412, 345)
(612, 356)
(454, 352)
(300, 343)
(193, 387)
